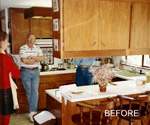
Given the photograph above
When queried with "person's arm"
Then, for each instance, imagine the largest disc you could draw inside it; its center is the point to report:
(12, 68)
(77, 61)
(28, 61)
(36, 58)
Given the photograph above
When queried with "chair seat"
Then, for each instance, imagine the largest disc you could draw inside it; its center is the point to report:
(86, 120)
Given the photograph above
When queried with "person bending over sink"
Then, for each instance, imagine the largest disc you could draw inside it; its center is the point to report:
(31, 56)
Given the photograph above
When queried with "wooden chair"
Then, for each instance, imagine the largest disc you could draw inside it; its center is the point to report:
(96, 114)
(139, 104)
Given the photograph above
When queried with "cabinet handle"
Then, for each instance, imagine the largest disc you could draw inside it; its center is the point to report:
(93, 44)
(103, 44)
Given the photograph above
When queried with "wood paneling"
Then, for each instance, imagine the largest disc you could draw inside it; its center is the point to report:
(114, 24)
(80, 25)
(41, 27)
(140, 27)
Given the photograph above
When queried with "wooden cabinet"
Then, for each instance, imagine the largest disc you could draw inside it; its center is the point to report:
(46, 82)
(19, 29)
(80, 25)
(22, 98)
(93, 26)
(50, 82)
(102, 28)
(41, 27)
(140, 26)
(114, 24)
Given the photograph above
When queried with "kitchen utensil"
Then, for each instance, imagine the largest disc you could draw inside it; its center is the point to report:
(44, 66)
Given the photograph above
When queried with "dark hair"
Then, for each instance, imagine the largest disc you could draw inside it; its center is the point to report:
(3, 36)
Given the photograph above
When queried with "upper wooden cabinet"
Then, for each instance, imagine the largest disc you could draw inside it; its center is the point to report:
(140, 26)
(96, 25)
(81, 25)
(94, 28)
(19, 29)
(41, 27)
(114, 24)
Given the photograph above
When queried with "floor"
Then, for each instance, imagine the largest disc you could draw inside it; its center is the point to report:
(20, 119)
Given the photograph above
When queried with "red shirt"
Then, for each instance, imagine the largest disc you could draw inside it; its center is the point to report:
(6, 66)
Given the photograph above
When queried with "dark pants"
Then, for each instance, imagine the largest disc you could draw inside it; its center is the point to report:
(83, 76)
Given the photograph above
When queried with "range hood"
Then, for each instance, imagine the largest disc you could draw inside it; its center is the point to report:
(38, 12)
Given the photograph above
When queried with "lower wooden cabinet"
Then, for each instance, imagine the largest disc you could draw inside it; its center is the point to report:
(46, 82)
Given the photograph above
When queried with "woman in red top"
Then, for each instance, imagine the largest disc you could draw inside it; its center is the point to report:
(6, 67)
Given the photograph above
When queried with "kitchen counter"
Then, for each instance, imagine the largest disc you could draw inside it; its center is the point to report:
(92, 92)
(58, 72)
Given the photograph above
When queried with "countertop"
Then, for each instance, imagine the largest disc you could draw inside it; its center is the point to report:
(58, 72)
(92, 92)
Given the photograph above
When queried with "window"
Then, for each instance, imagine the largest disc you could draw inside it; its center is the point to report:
(137, 60)
(132, 60)
(146, 60)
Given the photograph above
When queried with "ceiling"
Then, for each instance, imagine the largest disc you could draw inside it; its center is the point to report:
(24, 3)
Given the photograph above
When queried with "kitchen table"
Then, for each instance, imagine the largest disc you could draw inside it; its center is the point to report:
(65, 108)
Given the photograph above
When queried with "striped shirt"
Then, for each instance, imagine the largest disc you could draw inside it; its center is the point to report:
(25, 51)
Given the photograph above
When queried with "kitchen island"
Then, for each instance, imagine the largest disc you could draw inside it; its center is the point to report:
(64, 108)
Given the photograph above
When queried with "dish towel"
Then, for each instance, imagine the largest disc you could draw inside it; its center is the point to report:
(14, 92)
(13, 87)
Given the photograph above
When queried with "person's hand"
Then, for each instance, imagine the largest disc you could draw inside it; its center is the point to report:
(29, 57)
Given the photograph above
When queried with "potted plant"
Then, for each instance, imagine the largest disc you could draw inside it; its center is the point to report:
(102, 75)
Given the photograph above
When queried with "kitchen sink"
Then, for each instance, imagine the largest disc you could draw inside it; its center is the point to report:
(127, 73)
(117, 79)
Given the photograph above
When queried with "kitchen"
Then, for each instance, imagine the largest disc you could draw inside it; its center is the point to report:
(92, 49)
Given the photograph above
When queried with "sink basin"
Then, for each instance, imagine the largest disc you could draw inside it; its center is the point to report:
(127, 74)
(117, 79)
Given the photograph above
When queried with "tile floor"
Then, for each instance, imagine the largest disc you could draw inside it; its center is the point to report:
(20, 119)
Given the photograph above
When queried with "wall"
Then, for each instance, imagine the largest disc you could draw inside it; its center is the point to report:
(24, 3)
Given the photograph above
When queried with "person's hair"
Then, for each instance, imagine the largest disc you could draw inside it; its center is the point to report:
(31, 34)
(3, 36)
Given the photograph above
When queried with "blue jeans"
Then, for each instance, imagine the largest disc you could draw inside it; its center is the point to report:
(83, 76)
(30, 80)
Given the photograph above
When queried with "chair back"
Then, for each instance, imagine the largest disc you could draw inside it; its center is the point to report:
(140, 103)
(96, 112)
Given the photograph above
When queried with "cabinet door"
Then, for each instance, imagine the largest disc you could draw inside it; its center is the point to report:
(114, 24)
(140, 26)
(80, 25)
(19, 30)
(41, 27)
(42, 96)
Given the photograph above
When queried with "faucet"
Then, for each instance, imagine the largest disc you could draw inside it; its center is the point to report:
(134, 69)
